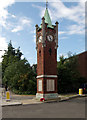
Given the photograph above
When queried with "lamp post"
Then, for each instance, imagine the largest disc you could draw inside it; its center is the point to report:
(1, 71)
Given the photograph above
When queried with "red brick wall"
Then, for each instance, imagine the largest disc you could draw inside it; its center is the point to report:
(50, 60)
(82, 60)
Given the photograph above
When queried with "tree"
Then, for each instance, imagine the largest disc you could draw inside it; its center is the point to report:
(17, 73)
(19, 76)
(64, 76)
(11, 55)
(69, 79)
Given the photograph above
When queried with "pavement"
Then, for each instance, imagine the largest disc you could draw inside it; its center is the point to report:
(31, 99)
(19, 100)
(73, 108)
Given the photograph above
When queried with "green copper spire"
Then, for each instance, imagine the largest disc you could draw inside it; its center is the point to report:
(47, 18)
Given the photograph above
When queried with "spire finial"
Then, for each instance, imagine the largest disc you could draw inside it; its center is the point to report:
(46, 4)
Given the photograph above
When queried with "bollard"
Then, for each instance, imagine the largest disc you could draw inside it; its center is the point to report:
(80, 91)
(7, 96)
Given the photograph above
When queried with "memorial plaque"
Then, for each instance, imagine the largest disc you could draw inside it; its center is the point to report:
(50, 85)
(39, 85)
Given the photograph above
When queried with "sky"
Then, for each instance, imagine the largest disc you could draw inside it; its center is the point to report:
(18, 20)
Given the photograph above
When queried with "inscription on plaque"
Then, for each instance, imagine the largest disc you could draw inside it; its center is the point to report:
(50, 85)
(39, 85)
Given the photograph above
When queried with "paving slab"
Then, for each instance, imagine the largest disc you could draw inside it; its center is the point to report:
(19, 102)
(71, 97)
(11, 104)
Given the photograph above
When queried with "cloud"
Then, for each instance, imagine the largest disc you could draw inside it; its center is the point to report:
(76, 29)
(21, 24)
(16, 29)
(25, 21)
(73, 13)
(3, 43)
(61, 32)
(4, 15)
(5, 18)
(4, 12)
(73, 30)
(13, 16)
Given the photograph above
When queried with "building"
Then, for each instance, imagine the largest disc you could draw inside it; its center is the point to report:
(82, 66)
(46, 46)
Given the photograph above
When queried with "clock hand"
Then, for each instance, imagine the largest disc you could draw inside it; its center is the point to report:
(50, 37)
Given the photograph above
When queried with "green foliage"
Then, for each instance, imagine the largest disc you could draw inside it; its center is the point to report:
(11, 55)
(69, 79)
(17, 72)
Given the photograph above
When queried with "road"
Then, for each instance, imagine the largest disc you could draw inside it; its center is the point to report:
(74, 108)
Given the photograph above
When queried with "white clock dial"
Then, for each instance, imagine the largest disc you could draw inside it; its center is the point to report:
(40, 38)
(50, 37)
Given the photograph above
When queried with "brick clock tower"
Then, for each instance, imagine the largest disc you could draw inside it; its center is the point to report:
(46, 46)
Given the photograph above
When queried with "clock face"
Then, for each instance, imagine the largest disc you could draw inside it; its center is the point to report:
(50, 38)
(40, 38)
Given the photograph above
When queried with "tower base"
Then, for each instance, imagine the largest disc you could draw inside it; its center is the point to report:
(47, 96)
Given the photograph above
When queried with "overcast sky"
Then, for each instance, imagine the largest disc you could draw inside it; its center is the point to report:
(18, 20)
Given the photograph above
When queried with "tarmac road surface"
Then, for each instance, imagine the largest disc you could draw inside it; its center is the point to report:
(74, 108)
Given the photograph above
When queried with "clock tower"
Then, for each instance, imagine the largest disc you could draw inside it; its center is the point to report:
(46, 46)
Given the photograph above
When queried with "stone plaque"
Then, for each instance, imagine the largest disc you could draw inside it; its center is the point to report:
(39, 85)
(50, 85)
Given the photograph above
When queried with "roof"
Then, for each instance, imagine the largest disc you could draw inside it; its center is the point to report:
(47, 19)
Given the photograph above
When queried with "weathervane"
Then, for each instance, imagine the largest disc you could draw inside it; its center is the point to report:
(46, 4)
